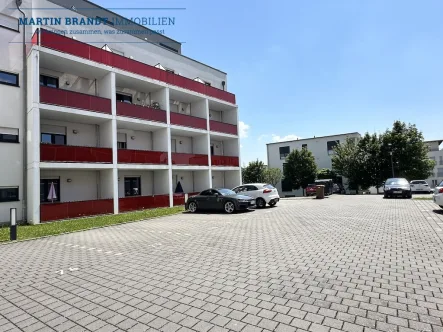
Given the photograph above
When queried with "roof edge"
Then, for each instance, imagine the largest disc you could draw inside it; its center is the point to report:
(305, 139)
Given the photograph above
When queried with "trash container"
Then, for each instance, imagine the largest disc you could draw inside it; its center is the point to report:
(320, 191)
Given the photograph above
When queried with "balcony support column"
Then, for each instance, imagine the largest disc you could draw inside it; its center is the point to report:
(208, 138)
(168, 121)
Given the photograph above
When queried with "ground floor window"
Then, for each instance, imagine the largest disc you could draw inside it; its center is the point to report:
(8, 194)
(133, 186)
(58, 139)
(45, 187)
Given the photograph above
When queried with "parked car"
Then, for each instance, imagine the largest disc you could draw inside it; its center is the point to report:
(263, 193)
(311, 189)
(420, 186)
(438, 195)
(336, 188)
(219, 199)
(397, 187)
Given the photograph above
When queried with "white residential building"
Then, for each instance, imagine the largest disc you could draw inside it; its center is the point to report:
(435, 153)
(113, 122)
(321, 148)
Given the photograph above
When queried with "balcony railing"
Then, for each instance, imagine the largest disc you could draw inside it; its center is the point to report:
(189, 159)
(142, 157)
(74, 154)
(223, 127)
(66, 210)
(224, 161)
(74, 47)
(142, 202)
(141, 112)
(73, 99)
(188, 121)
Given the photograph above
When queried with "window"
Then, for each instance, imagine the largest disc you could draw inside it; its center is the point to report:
(225, 192)
(8, 194)
(419, 182)
(331, 145)
(284, 151)
(8, 78)
(206, 192)
(251, 188)
(124, 98)
(9, 22)
(441, 160)
(45, 187)
(434, 183)
(8, 135)
(50, 82)
(268, 186)
(58, 139)
(212, 150)
(439, 172)
(121, 141)
(432, 158)
(132, 186)
(304, 146)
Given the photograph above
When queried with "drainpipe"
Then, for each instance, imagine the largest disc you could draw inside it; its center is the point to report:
(18, 3)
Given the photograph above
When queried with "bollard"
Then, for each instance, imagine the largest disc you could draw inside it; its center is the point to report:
(13, 226)
(186, 198)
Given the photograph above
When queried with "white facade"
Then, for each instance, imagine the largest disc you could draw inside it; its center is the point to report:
(188, 152)
(435, 153)
(320, 147)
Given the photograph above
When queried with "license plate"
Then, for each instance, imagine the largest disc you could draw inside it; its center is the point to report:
(397, 191)
(253, 202)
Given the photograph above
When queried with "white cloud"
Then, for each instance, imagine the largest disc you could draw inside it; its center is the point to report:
(290, 137)
(262, 137)
(243, 129)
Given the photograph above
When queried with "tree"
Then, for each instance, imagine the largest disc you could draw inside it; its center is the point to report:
(409, 153)
(300, 169)
(273, 176)
(326, 173)
(372, 161)
(347, 161)
(254, 172)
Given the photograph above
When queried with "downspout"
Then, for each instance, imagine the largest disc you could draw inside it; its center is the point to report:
(18, 3)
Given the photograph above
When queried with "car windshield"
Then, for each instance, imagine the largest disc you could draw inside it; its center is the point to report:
(441, 184)
(311, 185)
(226, 192)
(391, 182)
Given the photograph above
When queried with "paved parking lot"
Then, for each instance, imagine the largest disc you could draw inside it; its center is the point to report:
(345, 263)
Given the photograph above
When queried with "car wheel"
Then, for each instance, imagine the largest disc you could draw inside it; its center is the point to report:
(260, 202)
(272, 204)
(385, 196)
(192, 207)
(441, 206)
(229, 207)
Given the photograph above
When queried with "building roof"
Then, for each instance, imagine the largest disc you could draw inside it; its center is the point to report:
(439, 141)
(306, 139)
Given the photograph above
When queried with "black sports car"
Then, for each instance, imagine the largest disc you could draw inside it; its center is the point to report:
(219, 199)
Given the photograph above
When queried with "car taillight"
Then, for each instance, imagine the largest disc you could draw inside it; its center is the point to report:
(267, 191)
(440, 191)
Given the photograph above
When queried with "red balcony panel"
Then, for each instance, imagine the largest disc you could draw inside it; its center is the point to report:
(224, 161)
(142, 202)
(223, 127)
(68, 45)
(66, 210)
(142, 157)
(141, 112)
(189, 159)
(188, 121)
(73, 99)
(74, 154)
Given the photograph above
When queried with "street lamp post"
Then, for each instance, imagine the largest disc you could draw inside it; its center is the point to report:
(392, 162)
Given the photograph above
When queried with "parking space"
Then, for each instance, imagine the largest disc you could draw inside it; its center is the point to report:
(344, 263)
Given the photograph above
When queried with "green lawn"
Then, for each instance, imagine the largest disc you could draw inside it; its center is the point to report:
(72, 225)
(423, 198)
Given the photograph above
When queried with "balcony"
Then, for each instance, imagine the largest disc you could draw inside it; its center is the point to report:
(73, 99)
(67, 45)
(142, 202)
(142, 157)
(224, 161)
(222, 127)
(189, 159)
(74, 154)
(66, 210)
(188, 121)
(141, 112)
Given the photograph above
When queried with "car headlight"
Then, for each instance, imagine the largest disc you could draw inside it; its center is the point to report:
(244, 200)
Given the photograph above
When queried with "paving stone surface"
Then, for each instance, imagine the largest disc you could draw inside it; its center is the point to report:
(345, 263)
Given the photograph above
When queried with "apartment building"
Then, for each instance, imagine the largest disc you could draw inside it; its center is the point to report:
(435, 153)
(106, 123)
(321, 148)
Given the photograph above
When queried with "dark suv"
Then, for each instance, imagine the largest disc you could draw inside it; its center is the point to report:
(397, 187)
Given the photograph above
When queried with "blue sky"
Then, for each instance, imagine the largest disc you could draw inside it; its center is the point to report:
(305, 68)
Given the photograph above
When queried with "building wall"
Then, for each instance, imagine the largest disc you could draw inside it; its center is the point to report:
(85, 185)
(186, 179)
(142, 139)
(161, 182)
(70, 82)
(218, 179)
(201, 181)
(437, 176)
(146, 177)
(87, 134)
(318, 147)
(182, 144)
(160, 140)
